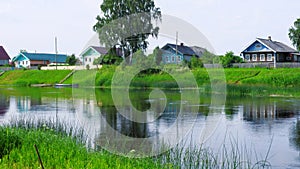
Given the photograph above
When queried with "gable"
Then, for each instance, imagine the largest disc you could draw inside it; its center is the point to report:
(20, 57)
(90, 52)
(257, 47)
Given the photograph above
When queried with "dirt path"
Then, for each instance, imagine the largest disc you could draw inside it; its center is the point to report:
(256, 74)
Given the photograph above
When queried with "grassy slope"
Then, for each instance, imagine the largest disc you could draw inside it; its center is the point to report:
(27, 77)
(103, 78)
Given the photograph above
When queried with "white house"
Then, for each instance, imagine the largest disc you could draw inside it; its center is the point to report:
(91, 53)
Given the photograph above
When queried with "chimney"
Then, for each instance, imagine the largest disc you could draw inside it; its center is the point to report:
(181, 44)
(270, 38)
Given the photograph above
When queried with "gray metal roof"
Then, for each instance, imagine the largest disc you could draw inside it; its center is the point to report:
(277, 46)
(101, 50)
(198, 50)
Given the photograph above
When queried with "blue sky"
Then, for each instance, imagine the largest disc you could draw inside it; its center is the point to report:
(229, 25)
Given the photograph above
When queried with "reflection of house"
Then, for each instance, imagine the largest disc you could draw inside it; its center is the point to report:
(177, 53)
(24, 104)
(265, 50)
(92, 53)
(266, 112)
(28, 60)
(4, 58)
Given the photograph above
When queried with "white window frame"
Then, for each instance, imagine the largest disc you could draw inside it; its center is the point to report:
(167, 59)
(269, 56)
(254, 56)
(248, 56)
(173, 58)
(262, 57)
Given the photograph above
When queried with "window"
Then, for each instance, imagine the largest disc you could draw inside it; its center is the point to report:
(270, 57)
(179, 59)
(90, 60)
(85, 59)
(173, 58)
(167, 59)
(247, 57)
(262, 57)
(258, 46)
(254, 57)
(26, 62)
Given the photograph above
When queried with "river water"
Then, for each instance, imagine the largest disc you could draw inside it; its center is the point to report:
(258, 123)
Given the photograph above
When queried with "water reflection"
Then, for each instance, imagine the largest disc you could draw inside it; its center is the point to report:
(4, 103)
(257, 118)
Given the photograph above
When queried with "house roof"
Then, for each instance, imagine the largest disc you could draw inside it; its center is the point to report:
(101, 50)
(185, 50)
(276, 46)
(59, 58)
(198, 50)
(3, 54)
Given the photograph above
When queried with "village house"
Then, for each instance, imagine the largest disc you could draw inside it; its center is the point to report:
(29, 60)
(89, 55)
(4, 58)
(174, 54)
(266, 50)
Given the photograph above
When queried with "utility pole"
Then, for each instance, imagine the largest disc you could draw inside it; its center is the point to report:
(55, 53)
(275, 61)
(176, 45)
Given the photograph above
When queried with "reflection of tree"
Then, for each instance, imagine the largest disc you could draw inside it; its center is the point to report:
(3, 104)
(295, 135)
(123, 125)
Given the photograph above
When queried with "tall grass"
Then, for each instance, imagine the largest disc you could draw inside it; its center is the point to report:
(62, 145)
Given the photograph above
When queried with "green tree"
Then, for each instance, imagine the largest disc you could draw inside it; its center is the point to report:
(294, 34)
(71, 60)
(126, 33)
(229, 59)
(157, 54)
(195, 63)
(210, 58)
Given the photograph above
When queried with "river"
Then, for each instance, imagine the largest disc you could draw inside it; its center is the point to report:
(258, 123)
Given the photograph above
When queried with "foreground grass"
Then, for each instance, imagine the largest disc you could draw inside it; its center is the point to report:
(62, 146)
(57, 150)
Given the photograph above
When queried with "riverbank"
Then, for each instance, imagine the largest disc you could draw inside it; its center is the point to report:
(30, 77)
(283, 77)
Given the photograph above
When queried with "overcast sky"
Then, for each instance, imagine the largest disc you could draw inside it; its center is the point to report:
(228, 24)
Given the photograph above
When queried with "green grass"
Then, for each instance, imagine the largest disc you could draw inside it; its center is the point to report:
(59, 147)
(284, 77)
(28, 77)
(62, 145)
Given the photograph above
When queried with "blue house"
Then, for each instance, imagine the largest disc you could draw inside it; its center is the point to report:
(266, 50)
(174, 54)
(28, 60)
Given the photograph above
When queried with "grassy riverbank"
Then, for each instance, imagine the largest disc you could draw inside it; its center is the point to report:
(28, 77)
(103, 78)
(236, 76)
(63, 146)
